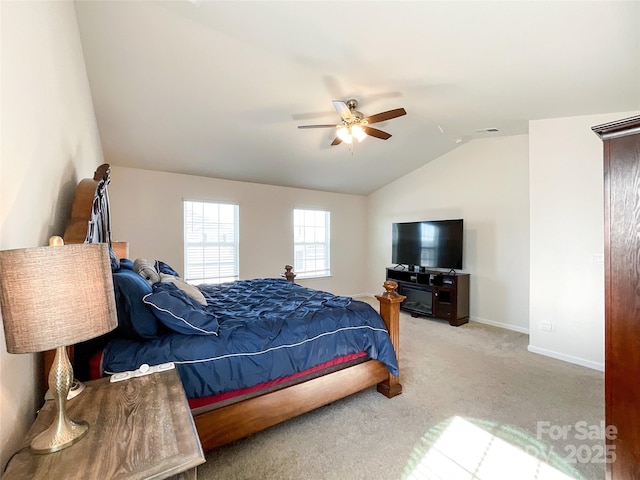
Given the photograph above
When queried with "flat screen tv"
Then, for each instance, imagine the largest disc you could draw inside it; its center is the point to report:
(429, 244)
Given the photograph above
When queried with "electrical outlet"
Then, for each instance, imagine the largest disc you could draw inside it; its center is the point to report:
(545, 326)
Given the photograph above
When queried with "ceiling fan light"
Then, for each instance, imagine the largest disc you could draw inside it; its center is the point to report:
(345, 135)
(358, 132)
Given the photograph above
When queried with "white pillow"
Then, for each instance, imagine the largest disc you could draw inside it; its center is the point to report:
(187, 288)
(145, 269)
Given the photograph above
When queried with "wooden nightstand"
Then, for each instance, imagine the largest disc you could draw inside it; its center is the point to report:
(139, 428)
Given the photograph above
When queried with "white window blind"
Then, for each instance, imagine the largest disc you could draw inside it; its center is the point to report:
(210, 242)
(311, 243)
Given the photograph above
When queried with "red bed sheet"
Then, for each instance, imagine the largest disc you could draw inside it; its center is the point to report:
(227, 397)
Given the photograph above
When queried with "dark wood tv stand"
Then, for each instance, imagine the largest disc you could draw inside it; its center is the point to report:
(433, 294)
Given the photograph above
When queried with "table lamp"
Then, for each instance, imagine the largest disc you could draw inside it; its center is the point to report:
(52, 297)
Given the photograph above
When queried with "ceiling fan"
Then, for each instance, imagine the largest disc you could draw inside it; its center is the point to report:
(355, 124)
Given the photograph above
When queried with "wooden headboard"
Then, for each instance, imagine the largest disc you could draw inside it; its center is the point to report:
(90, 222)
(90, 214)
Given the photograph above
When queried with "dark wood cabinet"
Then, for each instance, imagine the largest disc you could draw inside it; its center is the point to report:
(622, 294)
(433, 294)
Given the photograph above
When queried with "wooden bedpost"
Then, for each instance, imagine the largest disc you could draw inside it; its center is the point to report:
(288, 273)
(390, 312)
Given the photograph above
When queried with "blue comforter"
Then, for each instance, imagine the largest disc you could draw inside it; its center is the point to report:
(267, 329)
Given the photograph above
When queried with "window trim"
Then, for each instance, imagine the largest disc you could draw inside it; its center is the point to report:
(326, 272)
(235, 244)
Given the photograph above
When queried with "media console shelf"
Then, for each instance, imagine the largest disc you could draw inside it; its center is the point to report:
(433, 294)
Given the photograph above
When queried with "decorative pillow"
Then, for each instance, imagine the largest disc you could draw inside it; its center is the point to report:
(191, 290)
(162, 267)
(178, 312)
(126, 263)
(144, 268)
(135, 319)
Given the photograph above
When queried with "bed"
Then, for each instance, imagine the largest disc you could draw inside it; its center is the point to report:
(311, 349)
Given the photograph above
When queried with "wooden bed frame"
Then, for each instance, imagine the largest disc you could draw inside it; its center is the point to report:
(231, 422)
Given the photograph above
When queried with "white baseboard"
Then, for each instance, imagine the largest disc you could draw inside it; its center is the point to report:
(506, 326)
(567, 358)
(540, 351)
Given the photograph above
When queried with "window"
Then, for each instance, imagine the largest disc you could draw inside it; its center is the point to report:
(210, 242)
(311, 243)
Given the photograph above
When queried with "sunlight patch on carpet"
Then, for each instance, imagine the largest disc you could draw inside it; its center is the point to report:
(464, 449)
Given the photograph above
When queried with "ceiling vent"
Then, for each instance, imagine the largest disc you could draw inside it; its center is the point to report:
(488, 130)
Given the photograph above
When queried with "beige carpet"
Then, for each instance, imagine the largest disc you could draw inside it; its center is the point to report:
(472, 401)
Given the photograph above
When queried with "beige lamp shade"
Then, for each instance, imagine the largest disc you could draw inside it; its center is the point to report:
(55, 296)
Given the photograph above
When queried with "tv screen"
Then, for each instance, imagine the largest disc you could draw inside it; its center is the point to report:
(430, 244)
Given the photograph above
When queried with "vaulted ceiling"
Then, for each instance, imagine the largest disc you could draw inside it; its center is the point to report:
(218, 89)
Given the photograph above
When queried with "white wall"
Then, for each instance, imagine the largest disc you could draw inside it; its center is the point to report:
(485, 182)
(567, 230)
(146, 210)
(49, 142)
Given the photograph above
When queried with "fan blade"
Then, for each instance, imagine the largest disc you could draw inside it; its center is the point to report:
(336, 141)
(342, 109)
(333, 125)
(374, 132)
(381, 117)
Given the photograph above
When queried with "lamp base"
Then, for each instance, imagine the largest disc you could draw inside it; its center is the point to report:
(58, 437)
(62, 432)
(77, 387)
